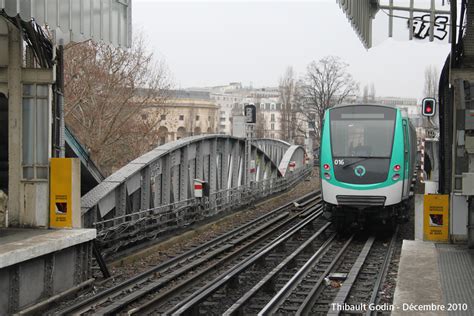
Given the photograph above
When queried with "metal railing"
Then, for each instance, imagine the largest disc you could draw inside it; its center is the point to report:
(128, 230)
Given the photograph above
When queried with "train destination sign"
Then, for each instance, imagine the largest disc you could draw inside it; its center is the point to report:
(362, 116)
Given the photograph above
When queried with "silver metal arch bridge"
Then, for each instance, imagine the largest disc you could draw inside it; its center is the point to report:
(154, 193)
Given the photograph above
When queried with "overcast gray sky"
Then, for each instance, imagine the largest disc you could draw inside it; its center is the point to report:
(214, 43)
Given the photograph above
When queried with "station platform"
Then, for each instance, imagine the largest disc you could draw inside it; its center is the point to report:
(36, 264)
(434, 279)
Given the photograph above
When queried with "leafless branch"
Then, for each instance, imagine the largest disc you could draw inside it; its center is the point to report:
(326, 83)
(108, 92)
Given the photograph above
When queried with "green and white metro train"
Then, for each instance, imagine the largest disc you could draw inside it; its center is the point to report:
(367, 162)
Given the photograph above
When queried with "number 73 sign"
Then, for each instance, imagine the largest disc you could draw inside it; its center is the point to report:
(422, 27)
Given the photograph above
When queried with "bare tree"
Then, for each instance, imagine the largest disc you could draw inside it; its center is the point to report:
(372, 93)
(287, 89)
(327, 83)
(302, 121)
(368, 94)
(431, 81)
(261, 124)
(365, 94)
(293, 123)
(113, 100)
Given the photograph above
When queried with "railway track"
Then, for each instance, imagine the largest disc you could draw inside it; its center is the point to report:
(366, 288)
(288, 262)
(216, 296)
(194, 265)
(358, 266)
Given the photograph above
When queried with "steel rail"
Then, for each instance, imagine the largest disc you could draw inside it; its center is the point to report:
(383, 274)
(309, 300)
(272, 307)
(311, 209)
(163, 296)
(200, 295)
(317, 199)
(105, 295)
(160, 283)
(237, 307)
(346, 287)
(281, 296)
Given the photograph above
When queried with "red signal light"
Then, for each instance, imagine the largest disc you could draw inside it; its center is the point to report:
(428, 106)
(396, 168)
(326, 166)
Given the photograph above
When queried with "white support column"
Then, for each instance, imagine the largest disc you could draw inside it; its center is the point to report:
(15, 196)
(28, 200)
(184, 174)
(165, 179)
(225, 164)
(121, 202)
(175, 159)
(213, 166)
(4, 55)
(234, 173)
(199, 160)
(145, 189)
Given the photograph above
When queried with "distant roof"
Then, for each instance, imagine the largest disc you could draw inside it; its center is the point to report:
(180, 94)
(187, 94)
(78, 20)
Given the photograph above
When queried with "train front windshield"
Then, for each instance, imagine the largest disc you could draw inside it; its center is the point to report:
(362, 131)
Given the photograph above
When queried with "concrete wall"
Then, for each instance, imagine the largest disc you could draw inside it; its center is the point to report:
(458, 218)
(32, 281)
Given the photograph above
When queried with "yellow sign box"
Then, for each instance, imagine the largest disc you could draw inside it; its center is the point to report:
(436, 217)
(64, 205)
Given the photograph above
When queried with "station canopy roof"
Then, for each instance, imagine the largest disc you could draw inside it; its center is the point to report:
(77, 20)
(360, 14)
(420, 20)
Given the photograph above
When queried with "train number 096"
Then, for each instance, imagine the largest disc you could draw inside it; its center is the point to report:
(339, 162)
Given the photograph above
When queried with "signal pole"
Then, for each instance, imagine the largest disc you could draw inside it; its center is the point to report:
(250, 120)
(248, 144)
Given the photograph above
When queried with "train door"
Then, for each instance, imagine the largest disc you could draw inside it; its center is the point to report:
(406, 160)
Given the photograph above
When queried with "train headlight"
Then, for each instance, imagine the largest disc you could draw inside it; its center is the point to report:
(326, 166)
(327, 176)
(395, 177)
(396, 168)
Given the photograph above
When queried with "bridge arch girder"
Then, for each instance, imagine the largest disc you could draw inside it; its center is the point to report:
(296, 154)
(274, 148)
(165, 175)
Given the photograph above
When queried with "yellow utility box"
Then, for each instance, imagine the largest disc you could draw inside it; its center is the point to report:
(65, 193)
(436, 217)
